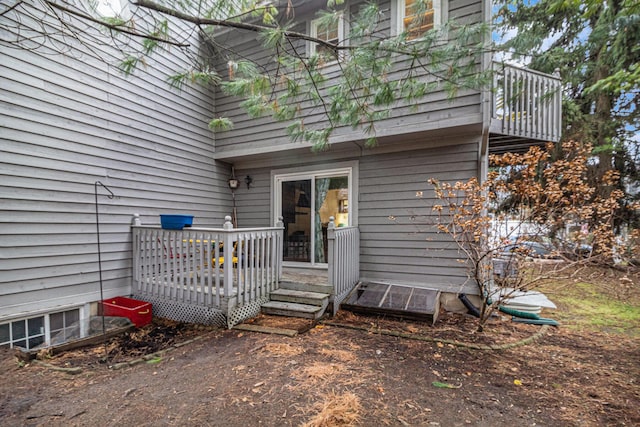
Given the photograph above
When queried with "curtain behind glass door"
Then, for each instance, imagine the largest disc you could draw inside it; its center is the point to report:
(331, 200)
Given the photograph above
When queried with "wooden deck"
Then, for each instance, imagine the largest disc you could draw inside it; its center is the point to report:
(305, 275)
(206, 275)
(182, 273)
(226, 275)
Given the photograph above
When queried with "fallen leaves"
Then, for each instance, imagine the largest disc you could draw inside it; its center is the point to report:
(283, 349)
(338, 354)
(337, 410)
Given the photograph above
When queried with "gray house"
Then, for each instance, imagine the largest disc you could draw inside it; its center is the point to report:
(83, 146)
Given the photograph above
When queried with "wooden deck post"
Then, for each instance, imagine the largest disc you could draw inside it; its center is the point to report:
(227, 242)
(279, 252)
(331, 240)
(136, 252)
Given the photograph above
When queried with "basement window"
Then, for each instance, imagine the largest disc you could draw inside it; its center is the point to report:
(33, 332)
(25, 333)
(64, 326)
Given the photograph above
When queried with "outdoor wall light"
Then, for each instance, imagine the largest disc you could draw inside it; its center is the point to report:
(233, 182)
(248, 180)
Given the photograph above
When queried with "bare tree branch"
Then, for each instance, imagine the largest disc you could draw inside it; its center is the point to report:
(9, 9)
(256, 28)
(118, 28)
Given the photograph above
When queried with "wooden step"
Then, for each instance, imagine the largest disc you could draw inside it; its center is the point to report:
(322, 288)
(292, 309)
(302, 297)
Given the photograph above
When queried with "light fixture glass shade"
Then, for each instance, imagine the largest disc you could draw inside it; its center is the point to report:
(233, 183)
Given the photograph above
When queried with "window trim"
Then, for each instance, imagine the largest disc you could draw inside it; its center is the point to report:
(313, 31)
(347, 169)
(440, 15)
(46, 328)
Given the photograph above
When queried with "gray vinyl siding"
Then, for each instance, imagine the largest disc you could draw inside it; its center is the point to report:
(434, 111)
(398, 239)
(254, 204)
(69, 120)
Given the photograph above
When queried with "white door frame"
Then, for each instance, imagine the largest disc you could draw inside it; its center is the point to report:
(349, 169)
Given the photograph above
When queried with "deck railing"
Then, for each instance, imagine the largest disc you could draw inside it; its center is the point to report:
(343, 260)
(526, 103)
(226, 269)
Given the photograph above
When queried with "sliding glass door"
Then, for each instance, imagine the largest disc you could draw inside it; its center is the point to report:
(296, 214)
(306, 202)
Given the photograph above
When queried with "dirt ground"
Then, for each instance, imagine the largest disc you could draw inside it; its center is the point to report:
(343, 373)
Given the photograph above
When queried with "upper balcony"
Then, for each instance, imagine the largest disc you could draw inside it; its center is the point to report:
(526, 109)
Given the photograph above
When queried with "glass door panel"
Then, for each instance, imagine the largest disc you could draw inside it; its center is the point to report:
(296, 214)
(306, 203)
(331, 200)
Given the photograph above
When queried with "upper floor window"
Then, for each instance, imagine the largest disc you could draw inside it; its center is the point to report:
(418, 16)
(330, 31)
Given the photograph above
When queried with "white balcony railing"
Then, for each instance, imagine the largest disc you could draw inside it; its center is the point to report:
(343, 260)
(226, 269)
(526, 104)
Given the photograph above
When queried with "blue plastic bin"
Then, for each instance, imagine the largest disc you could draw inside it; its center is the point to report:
(175, 221)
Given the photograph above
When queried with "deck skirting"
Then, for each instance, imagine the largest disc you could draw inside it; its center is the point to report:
(183, 312)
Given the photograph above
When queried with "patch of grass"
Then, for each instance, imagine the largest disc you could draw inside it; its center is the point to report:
(586, 306)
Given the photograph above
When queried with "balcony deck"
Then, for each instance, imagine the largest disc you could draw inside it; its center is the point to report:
(526, 110)
(206, 275)
(224, 276)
